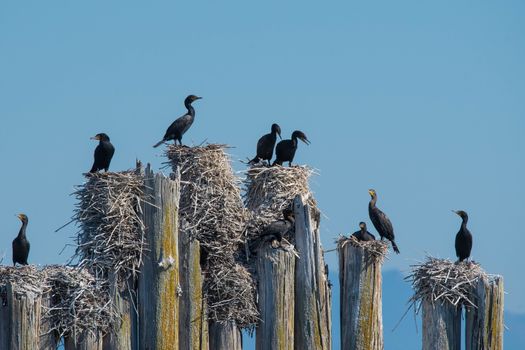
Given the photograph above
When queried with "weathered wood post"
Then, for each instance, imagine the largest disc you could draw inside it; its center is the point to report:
(312, 308)
(225, 336)
(87, 340)
(48, 335)
(276, 271)
(360, 293)
(159, 286)
(193, 327)
(484, 322)
(441, 325)
(20, 315)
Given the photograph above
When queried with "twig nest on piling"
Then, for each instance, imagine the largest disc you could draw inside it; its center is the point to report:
(211, 210)
(25, 281)
(445, 281)
(269, 190)
(111, 236)
(377, 250)
(79, 301)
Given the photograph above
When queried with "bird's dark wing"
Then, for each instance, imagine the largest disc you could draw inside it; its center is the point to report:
(386, 224)
(276, 227)
(179, 126)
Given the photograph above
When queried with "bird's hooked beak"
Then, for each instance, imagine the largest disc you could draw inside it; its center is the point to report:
(370, 192)
(95, 138)
(305, 140)
(279, 133)
(19, 216)
(456, 212)
(198, 98)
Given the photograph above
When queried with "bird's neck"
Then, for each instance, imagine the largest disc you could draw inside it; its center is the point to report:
(373, 202)
(191, 111)
(363, 231)
(22, 232)
(294, 141)
(464, 223)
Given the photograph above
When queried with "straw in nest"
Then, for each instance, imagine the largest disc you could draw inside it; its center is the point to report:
(111, 237)
(211, 210)
(268, 190)
(376, 249)
(441, 280)
(25, 281)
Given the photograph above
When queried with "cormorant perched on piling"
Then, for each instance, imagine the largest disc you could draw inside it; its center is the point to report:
(363, 234)
(381, 221)
(20, 243)
(285, 150)
(266, 144)
(280, 227)
(103, 153)
(463, 238)
(182, 124)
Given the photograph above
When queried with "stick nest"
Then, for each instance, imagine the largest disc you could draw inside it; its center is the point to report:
(377, 250)
(78, 302)
(269, 190)
(441, 280)
(25, 281)
(111, 236)
(211, 211)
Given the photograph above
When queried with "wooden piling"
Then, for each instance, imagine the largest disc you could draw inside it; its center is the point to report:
(48, 338)
(484, 323)
(441, 325)
(276, 271)
(225, 336)
(20, 317)
(159, 287)
(360, 297)
(311, 323)
(87, 340)
(193, 328)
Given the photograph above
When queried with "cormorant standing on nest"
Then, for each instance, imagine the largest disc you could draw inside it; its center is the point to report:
(279, 228)
(363, 234)
(20, 243)
(266, 144)
(463, 238)
(381, 221)
(182, 124)
(285, 150)
(103, 153)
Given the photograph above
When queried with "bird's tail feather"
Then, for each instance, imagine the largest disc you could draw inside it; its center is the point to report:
(159, 143)
(394, 246)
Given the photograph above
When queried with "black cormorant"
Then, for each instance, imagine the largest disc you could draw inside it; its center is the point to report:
(381, 221)
(363, 234)
(20, 243)
(463, 238)
(103, 153)
(182, 124)
(285, 150)
(279, 228)
(266, 144)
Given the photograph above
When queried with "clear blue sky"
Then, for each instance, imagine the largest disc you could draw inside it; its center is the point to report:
(423, 101)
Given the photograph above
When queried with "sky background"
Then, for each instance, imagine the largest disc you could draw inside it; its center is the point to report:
(423, 101)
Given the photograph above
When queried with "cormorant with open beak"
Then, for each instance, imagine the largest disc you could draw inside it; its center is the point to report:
(463, 237)
(21, 244)
(182, 124)
(103, 153)
(363, 234)
(266, 144)
(381, 221)
(285, 150)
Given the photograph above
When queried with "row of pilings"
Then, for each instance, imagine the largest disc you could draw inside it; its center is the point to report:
(174, 262)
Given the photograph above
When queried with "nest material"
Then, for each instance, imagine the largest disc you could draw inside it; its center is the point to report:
(269, 190)
(78, 301)
(376, 249)
(441, 280)
(211, 210)
(111, 236)
(25, 281)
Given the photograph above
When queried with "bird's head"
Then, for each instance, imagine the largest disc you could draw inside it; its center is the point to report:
(372, 193)
(276, 129)
(301, 136)
(100, 137)
(288, 214)
(22, 217)
(191, 98)
(463, 214)
(362, 225)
